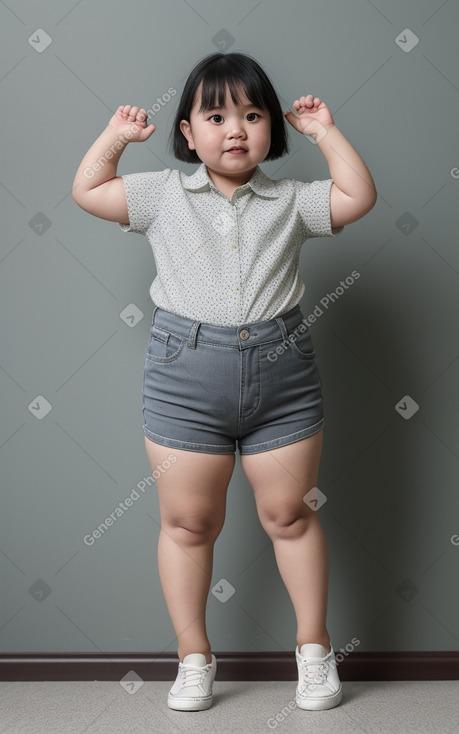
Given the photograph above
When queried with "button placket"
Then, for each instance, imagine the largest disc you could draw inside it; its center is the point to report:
(235, 242)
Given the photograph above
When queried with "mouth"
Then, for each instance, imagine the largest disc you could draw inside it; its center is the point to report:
(236, 151)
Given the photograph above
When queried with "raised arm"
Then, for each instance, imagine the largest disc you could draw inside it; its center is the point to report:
(96, 187)
(353, 192)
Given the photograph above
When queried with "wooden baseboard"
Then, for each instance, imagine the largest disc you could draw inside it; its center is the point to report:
(231, 666)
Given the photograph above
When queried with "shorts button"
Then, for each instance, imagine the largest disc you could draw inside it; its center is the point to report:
(244, 334)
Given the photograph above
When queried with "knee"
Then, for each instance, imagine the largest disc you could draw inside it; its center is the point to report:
(195, 532)
(287, 524)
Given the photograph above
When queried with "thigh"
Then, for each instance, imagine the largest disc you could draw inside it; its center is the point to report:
(190, 396)
(192, 486)
(281, 477)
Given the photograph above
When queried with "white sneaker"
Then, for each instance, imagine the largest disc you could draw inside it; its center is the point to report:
(192, 690)
(319, 686)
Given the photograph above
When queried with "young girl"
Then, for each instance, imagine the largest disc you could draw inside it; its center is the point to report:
(229, 356)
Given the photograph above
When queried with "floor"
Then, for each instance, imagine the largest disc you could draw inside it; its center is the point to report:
(256, 706)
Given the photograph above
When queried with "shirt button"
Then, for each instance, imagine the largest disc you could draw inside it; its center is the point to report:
(244, 334)
(233, 245)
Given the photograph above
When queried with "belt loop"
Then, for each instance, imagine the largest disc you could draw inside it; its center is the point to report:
(193, 335)
(153, 316)
(282, 327)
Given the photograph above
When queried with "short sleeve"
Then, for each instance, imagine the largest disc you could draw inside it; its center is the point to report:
(143, 193)
(313, 201)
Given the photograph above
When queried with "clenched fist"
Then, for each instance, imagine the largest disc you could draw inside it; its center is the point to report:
(131, 123)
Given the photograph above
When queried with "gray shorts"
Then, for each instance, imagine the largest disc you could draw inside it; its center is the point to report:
(206, 387)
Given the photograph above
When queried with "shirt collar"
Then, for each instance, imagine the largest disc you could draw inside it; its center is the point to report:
(259, 182)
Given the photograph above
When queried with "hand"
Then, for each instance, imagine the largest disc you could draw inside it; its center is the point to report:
(313, 116)
(131, 123)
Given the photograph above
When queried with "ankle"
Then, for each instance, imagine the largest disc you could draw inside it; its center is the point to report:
(325, 642)
(207, 653)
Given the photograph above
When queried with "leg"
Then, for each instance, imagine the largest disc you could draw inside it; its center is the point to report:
(192, 499)
(280, 478)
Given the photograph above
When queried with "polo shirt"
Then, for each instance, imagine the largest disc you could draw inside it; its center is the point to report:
(226, 262)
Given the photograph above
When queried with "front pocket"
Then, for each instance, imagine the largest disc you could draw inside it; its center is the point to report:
(302, 345)
(163, 346)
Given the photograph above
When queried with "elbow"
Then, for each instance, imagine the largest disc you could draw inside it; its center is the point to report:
(75, 192)
(80, 201)
(80, 196)
(371, 201)
(76, 198)
(80, 189)
(373, 194)
(360, 207)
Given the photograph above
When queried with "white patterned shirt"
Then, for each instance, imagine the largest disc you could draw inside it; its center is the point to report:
(226, 262)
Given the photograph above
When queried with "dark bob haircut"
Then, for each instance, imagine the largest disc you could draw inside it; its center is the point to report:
(218, 72)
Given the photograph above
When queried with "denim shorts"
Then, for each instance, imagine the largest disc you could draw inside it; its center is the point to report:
(206, 387)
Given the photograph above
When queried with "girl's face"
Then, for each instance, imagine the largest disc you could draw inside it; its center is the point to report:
(214, 133)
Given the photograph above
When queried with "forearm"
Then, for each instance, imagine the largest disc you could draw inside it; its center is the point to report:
(347, 168)
(100, 162)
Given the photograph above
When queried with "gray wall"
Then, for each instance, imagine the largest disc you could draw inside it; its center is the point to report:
(389, 477)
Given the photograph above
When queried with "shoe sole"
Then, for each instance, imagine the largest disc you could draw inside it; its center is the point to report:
(320, 704)
(189, 704)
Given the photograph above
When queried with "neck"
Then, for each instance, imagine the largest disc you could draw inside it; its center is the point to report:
(230, 181)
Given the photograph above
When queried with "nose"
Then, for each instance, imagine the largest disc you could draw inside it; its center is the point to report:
(235, 135)
(235, 129)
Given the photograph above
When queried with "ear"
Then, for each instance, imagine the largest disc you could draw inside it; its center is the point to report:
(185, 128)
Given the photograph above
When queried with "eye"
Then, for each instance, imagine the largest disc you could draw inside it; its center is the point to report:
(253, 113)
(211, 118)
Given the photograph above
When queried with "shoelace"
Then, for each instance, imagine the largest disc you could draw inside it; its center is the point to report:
(313, 674)
(192, 675)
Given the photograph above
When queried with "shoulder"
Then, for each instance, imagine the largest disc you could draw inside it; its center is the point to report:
(151, 185)
(294, 184)
(294, 189)
(312, 190)
(157, 178)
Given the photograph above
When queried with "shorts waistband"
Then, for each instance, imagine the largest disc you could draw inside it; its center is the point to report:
(231, 336)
